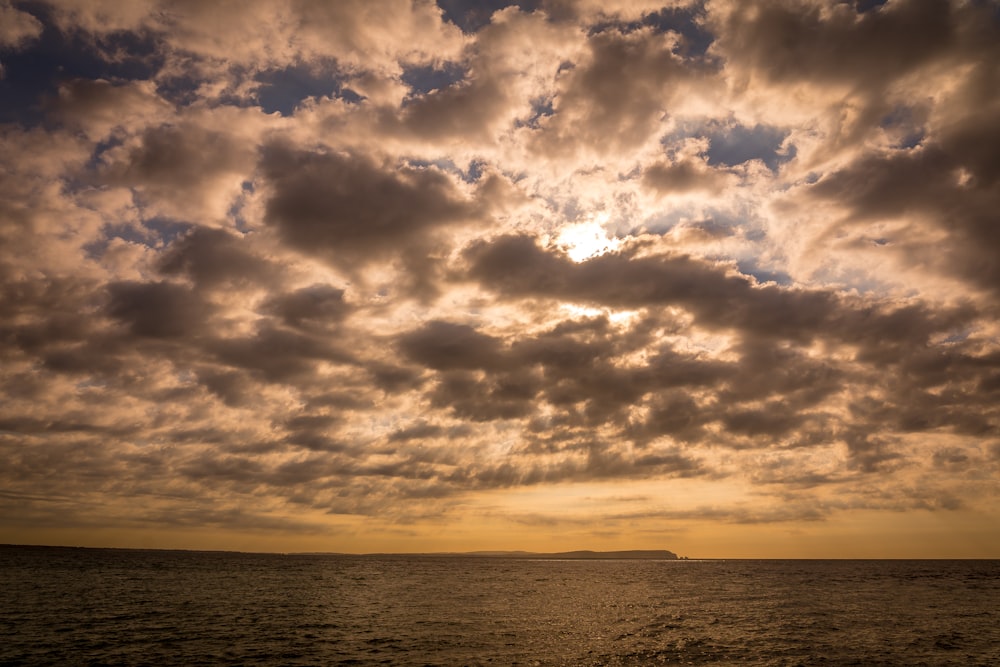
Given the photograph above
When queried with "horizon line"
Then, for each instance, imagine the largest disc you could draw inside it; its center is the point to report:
(497, 553)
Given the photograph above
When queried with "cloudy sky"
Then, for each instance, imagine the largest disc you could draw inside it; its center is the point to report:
(389, 275)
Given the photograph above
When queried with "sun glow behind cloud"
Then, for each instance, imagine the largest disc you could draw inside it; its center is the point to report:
(584, 240)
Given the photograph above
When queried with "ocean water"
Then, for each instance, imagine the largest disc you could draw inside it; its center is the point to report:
(109, 607)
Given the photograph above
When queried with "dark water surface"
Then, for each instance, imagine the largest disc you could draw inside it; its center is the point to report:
(97, 606)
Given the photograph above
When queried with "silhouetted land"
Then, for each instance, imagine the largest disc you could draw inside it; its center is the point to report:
(635, 554)
(661, 554)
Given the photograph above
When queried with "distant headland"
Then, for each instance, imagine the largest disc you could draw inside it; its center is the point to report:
(634, 554)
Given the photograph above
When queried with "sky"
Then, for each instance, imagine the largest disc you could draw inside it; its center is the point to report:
(709, 276)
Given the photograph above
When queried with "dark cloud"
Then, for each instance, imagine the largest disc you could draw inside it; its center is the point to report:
(894, 339)
(348, 210)
(928, 185)
(309, 307)
(445, 346)
(214, 258)
(417, 431)
(717, 296)
(426, 79)
(278, 355)
(673, 414)
(234, 388)
(158, 310)
(495, 397)
(312, 432)
(793, 40)
(593, 461)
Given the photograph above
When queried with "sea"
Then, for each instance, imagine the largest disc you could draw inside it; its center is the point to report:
(70, 606)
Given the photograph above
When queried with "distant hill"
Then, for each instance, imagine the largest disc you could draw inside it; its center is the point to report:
(635, 554)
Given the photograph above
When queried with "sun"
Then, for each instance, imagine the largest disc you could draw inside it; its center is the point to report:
(584, 240)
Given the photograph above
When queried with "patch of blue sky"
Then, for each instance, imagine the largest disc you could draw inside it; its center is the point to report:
(751, 267)
(235, 211)
(33, 73)
(685, 21)
(420, 163)
(426, 78)
(235, 214)
(957, 337)
(862, 6)
(474, 171)
(75, 182)
(473, 15)
(911, 140)
(732, 144)
(470, 174)
(661, 223)
(541, 107)
(905, 121)
(126, 231)
(281, 90)
(284, 90)
(154, 233)
(735, 145)
(180, 90)
(162, 231)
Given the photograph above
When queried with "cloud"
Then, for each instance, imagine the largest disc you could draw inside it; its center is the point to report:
(349, 210)
(832, 43)
(157, 310)
(715, 295)
(946, 184)
(204, 167)
(213, 258)
(683, 176)
(308, 307)
(18, 27)
(360, 34)
(615, 97)
(287, 269)
(444, 346)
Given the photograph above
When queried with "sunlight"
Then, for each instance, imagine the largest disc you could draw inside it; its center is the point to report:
(621, 317)
(587, 239)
